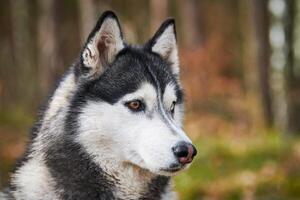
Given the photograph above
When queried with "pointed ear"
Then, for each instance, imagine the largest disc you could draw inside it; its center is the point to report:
(164, 43)
(102, 46)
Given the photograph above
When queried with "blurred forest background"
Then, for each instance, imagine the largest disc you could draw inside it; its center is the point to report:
(240, 66)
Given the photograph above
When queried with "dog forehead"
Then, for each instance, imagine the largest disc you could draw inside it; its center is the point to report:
(146, 92)
(169, 95)
(146, 65)
(156, 72)
(131, 69)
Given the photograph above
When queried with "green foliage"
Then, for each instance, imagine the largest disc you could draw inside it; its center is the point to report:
(258, 166)
(16, 119)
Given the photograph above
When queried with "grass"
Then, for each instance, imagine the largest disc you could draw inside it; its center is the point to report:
(251, 167)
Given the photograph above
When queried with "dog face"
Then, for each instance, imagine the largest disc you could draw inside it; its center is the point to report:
(130, 102)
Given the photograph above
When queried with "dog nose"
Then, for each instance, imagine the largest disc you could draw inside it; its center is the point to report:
(184, 152)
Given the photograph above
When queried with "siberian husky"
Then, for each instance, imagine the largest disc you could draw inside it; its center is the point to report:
(113, 127)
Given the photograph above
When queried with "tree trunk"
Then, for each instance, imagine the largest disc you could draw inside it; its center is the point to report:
(22, 49)
(48, 59)
(261, 23)
(249, 58)
(190, 23)
(292, 78)
(158, 13)
(87, 14)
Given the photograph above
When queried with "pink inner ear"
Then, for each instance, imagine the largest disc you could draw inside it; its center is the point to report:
(102, 49)
(105, 40)
(108, 41)
(167, 53)
(101, 45)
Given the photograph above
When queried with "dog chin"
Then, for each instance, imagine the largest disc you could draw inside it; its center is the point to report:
(169, 171)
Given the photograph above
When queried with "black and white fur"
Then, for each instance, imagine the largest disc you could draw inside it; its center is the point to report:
(87, 144)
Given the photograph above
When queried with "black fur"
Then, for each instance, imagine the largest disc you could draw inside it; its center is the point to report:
(155, 188)
(132, 67)
(75, 173)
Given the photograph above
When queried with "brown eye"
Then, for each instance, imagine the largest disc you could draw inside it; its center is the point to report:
(135, 105)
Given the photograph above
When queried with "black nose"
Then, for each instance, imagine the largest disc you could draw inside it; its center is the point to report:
(184, 152)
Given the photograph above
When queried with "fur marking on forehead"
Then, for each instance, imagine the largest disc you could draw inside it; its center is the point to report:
(146, 92)
(170, 94)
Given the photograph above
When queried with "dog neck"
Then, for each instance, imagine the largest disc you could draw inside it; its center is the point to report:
(133, 182)
(78, 176)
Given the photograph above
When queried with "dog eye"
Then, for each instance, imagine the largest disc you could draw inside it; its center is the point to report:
(172, 109)
(135, 105)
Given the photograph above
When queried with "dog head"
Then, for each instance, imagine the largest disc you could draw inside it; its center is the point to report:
(130, 102)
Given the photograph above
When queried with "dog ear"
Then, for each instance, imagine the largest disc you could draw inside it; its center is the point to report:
(102, 46)
(164, 43)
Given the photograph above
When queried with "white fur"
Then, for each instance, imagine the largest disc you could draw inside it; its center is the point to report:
(174, 123)
(169, 194)
(34, 181)
(166, 46)
(133, 147)
(169, 97)
(61, 97)
(114, 134)
(146, 93)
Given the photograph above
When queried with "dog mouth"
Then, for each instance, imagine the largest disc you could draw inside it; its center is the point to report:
(173, 169)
